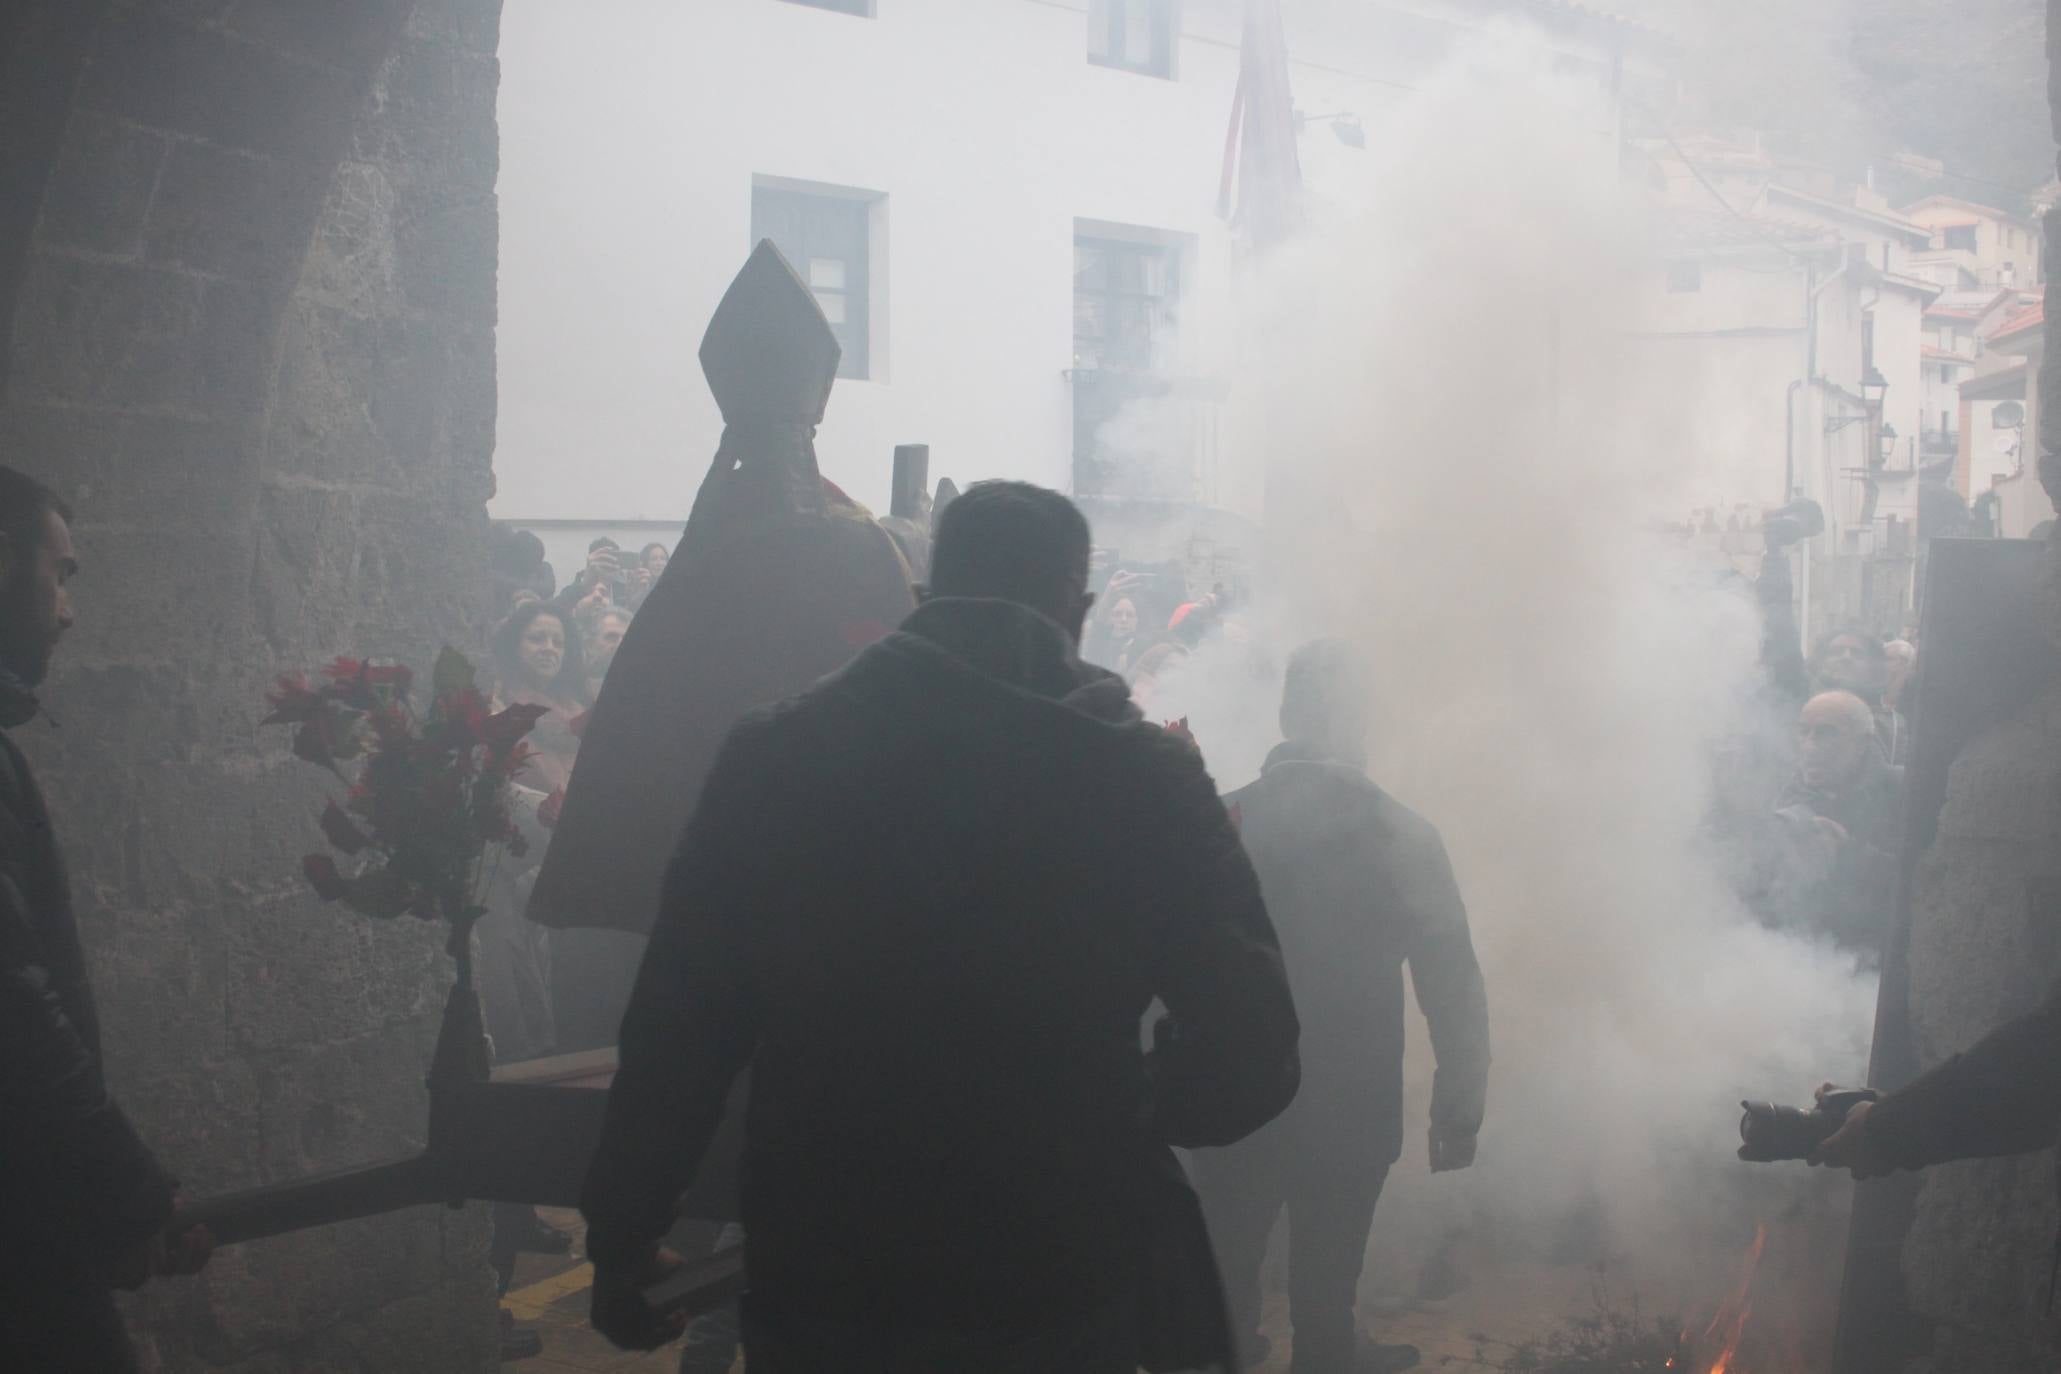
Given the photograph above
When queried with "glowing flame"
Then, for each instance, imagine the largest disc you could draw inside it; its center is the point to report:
(1721, 1338)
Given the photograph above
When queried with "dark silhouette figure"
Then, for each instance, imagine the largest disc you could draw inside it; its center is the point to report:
(88, 1206)
(1357, 885)
(928, 902)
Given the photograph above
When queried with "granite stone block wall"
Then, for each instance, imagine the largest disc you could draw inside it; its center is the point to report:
(247, 281)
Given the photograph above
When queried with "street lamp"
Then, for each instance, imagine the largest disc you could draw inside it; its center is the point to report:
(1888, 442)
(1345, 126)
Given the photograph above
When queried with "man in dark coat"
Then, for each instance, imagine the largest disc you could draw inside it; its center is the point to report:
(1357, 885)
(1825, 860)
(928, 902)
(87, 1206)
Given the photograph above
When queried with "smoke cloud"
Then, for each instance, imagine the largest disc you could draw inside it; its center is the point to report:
(1445, 362)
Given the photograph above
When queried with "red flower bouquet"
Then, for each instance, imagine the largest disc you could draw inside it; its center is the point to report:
(427, 792)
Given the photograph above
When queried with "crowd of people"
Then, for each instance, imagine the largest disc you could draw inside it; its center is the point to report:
(1147, 623)
(1810, 794)
(934, 944)
(551, 647)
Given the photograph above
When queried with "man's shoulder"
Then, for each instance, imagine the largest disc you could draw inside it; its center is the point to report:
(824, 712)
(1411, 827)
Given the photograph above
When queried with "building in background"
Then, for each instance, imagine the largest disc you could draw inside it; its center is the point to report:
(1807, 302)
(1008, 211)
(1977, 245)
(1956, 326)
(2000, 428)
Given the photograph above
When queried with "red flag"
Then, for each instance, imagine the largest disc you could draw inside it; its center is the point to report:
(1261, 190)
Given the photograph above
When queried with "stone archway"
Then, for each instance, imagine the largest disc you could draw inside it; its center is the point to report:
(247, 268)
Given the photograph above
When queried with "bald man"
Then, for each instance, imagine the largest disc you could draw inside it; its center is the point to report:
(1838, 827)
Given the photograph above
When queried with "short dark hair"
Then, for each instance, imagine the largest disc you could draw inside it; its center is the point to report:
(508, 641)
(1326, 689)
(24, 502)
(1011, 541)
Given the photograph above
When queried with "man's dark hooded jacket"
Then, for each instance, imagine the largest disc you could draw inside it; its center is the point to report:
(79, 1186)
(1357, 885)
(928, 902)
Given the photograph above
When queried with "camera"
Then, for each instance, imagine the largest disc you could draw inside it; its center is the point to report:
(1801, 519)
(1769, 1132)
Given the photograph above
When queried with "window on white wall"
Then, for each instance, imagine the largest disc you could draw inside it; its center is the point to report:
(1960, 238)
(1126, 310)
(1136, 35)
(1685, 274)
(827, 235)
(1125, 295)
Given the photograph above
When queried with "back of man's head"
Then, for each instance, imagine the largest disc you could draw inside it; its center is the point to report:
(25, 503)
(1324, 700)
(1011, 541)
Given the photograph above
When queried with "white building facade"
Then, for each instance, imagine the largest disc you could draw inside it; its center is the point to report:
(1008, 208)
(1809, 309)
(1975, 244)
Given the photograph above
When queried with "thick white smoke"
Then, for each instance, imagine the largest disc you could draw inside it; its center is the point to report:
(1447, 359)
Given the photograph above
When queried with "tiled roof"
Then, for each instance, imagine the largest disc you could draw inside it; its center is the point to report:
(2008, 382)
(1918, 284)
(1682, 231)
(1985, 211)
(1888, 218)
(2020, 322)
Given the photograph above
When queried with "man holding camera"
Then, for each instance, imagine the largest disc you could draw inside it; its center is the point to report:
(88, 1206)
(2003, 1097)
(1832, 851)
(629, 577)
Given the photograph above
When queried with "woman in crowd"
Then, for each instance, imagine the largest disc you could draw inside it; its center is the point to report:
(538, 661)
(603, 637)
(1112, 640)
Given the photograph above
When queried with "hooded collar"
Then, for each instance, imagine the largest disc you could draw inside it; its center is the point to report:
(1309, 751)
(1016, 646)
(1001, 640)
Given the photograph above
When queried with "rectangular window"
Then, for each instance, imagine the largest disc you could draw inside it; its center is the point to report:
(1135, 35)
(1960, 238)
(1867, 344)
(1124, 297)
(827, 237)
(1685, 274)
(862, 8)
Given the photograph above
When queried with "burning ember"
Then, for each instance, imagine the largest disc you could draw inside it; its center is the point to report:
(1716, 1350)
